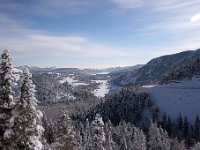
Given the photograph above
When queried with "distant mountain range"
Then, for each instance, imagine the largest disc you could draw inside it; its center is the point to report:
(152, 72)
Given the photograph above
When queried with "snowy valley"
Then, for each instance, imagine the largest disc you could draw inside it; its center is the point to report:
(84, 105)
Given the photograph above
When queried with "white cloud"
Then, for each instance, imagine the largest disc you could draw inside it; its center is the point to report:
(128, 3)
(174, 5)
(48, 46)
(25, 42)
(195, 18)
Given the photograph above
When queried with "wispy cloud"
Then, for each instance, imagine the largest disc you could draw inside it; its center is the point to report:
(173, 5)
(195, 18)
(27, 42)
(127, 4)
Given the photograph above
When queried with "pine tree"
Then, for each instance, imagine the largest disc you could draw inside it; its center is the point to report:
(51, 132)
(196, 146)
(6, 100)
(197, 129)
(27, 119)
(175, 145)
(87, 139)
(128, 134)
(6, 79)
(158, 139)
(185, 128)
(180, 122)
(98, 135)
(110, 144)
(45, 126)
(79, 139)
(66, 135)
(139, 140)
(180, 127)
(164, 121)
(169, 126)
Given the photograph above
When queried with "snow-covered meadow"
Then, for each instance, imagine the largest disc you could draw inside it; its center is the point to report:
(175, 98)
(102, 89)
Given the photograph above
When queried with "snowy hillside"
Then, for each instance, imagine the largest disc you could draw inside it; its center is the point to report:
(175, 98)
(153, 71)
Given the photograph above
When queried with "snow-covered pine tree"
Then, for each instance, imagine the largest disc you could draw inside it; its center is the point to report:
(66, 135)
(6, 99)
(87, 139)
(6, 79)
(27, 119)
(196, 146)
(45, 125)
(123, 143)
(98, 135)
(110, 144)
(158, 139)
(176, 145)
(165, 139)
(128, 130)
(78, 137)
(51, 134)
(139, 139)
(122, 132)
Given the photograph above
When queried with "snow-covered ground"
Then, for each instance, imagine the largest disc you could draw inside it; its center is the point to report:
(181, 97)
(103, 73)
(72, 81)
(79, 83)
(103, 88)
(100, 73)
(149, 86)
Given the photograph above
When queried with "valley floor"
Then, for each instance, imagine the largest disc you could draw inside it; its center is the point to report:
(177, 98)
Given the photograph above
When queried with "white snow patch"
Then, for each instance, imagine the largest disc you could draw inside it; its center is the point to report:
(58, 74)
(72, 81)
(103, 88)
(8, 133)
(149, 86)
(103, 73)
(37, 145)
(17, 77)
(50, 72)
(79, 83)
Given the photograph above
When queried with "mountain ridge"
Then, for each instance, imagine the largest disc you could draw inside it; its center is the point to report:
(152, 72)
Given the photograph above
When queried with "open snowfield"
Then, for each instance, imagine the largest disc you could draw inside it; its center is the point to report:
(72, 81)
(103, 88)
(174, 98)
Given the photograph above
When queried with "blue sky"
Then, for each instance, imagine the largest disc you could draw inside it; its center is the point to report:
(97, 33)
